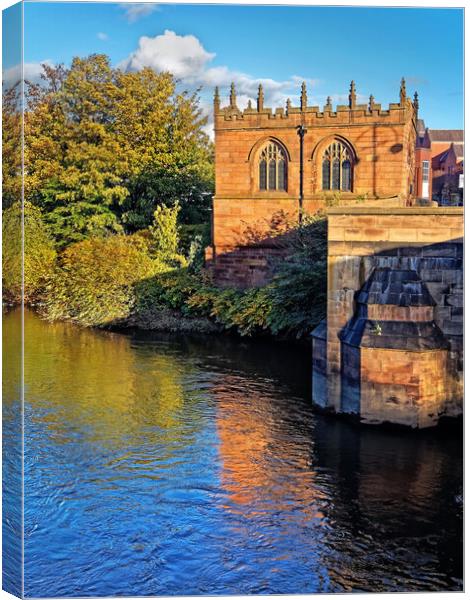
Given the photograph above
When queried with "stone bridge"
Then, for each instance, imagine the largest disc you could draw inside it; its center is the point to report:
(390, 349)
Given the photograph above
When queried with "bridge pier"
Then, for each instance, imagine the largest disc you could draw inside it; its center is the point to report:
(391, 347)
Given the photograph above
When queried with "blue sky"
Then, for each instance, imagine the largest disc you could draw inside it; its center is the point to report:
(327, 46)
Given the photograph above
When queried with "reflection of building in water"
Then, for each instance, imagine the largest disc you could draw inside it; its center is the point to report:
(265, 450)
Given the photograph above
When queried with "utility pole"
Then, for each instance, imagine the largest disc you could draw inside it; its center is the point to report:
(301, 131)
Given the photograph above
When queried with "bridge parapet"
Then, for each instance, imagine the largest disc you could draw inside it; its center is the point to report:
(405, 378)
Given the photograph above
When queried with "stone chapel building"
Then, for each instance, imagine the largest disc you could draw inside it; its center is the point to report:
(273, 166)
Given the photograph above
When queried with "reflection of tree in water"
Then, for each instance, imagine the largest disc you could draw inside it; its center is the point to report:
(11, 365)
(100, 383)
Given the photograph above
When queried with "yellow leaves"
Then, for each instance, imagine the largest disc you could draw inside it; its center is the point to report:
(96, 135)
(94, 282)
(39, 253)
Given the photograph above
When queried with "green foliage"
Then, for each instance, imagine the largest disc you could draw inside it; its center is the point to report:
(95, 278)
(188, 233)
(196, 253)
(11, 146)
(194, 239)
(169, 290)
(361, 198)
(39, 253)
(299, 287)
(377, 329)
(164, 238)
(93, 283)
(332, 200)
(78, 221)
(109, 146)
(291, 305)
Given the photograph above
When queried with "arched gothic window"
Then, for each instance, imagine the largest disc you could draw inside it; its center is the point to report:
(272, 168)
(337, 168)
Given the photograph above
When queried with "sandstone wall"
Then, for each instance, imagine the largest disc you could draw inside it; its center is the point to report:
(381, 141)
(425, 240)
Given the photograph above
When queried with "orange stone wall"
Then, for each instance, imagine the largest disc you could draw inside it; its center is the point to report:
(382, 142)
(426, 240)
(405, 388)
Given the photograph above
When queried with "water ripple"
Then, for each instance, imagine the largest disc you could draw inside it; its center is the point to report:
(166, 465)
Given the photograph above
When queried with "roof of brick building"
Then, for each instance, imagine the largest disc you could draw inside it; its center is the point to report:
(421, 126)
(446, 135)
(458, 151)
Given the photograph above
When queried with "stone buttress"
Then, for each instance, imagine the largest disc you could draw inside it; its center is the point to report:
(391, 348)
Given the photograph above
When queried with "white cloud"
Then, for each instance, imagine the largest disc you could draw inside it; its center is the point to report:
(184, 56)
(32, 73)
(134, 12)
(102, 36)
(190, 62)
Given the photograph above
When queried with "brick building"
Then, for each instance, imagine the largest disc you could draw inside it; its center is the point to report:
(272, 165)
(423, 172)
(439, 163)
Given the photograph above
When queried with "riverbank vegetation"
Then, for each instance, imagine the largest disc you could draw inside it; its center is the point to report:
(39, 253)
(291, 305)
(143, 280)
(118, 184)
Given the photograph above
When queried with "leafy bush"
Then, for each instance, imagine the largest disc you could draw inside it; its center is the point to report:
(93, 282)
(192, 295)
(133, 279)
(291, 305)
(190, 232)
(39, 253)
(298, 291)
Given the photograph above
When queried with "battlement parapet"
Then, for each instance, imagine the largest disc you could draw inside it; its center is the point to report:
(345, 113)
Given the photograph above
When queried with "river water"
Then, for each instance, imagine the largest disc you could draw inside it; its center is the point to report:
(170, 465)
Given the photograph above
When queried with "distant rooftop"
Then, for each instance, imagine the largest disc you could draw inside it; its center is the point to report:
(446, 135)
(421, 127)
(458, 151)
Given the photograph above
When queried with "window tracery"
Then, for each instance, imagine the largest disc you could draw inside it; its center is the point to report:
(337, 167)
(272, 165)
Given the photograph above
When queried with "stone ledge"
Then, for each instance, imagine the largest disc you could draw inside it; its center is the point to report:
(259, 196)
(409, 210)
(420, 337)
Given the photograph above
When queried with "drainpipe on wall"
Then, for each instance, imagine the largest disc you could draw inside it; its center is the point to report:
(301, 131)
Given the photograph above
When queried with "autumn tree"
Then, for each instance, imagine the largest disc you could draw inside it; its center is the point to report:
(25, 272)
(104, 148)
(11, 145)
